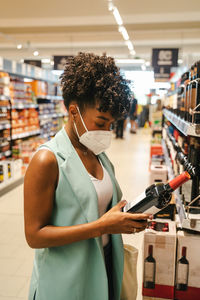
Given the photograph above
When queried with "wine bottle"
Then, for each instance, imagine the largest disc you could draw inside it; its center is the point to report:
(149, 269)
(156, 197)
(182, 272)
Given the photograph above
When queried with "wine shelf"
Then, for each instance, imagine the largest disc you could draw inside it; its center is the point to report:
(185, 127)
(191, 221)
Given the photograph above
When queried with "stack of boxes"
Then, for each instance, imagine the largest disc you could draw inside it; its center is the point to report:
(171, 268)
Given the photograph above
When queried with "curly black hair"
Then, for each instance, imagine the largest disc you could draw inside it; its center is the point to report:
(89, 79)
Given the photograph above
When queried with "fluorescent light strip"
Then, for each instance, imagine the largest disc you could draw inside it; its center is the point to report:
(121, 28)
(124, 32)
(129, 45)
(117, 16)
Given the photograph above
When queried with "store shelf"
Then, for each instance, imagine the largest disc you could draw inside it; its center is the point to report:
(2, 97)
(51, 97)
(25, 134)
(5, 126)
(5, 154)
(179, 205)
(12, 183)
(26, 70)
(24, 106)
(51, 116)
(185, 127)
(191, 221)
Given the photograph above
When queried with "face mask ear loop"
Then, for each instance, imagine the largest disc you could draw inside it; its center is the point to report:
(82, 119)
(76, 130)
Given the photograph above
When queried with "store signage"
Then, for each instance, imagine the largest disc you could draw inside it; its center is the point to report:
(60, 62)
(163, 57)
(162, 73)
(32, 62)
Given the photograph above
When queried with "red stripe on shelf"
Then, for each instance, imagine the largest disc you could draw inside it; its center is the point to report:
(191, 293)
(160, 291)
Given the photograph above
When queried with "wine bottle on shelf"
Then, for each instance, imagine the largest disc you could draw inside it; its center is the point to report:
(195, 190)
(194, 93)
(182, 272)
(156, 197)
(196, 70)
(149, 269)
(179, 98)
(186, 81)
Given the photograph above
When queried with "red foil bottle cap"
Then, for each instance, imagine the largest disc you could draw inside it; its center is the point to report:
(179, 180)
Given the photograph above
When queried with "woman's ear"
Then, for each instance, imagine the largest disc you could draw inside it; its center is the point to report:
(73, 111)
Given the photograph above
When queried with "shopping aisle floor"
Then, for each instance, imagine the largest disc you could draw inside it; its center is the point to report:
(130, 157)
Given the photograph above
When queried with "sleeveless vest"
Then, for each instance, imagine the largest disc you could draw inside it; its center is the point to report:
(76, 271)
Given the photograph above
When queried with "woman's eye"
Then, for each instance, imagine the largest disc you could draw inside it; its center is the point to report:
(100, 125)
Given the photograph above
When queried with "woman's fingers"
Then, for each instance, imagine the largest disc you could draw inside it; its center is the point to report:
(139, 216)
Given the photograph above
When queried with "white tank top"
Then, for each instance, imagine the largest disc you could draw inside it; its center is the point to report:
(104, 189)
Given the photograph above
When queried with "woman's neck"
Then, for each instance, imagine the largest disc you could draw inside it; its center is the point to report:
(69, 127)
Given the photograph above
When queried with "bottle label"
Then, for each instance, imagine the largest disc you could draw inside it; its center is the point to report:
(152, 210)
(149, 271)
(134, 202)
(182, 273)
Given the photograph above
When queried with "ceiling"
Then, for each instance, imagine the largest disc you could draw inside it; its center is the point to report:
(64, 27)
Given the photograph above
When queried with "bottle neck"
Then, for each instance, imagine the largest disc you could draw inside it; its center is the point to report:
(150, 250)
(184, 251)
(177, 181)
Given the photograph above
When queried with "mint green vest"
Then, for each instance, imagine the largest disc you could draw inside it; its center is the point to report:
(76, 271)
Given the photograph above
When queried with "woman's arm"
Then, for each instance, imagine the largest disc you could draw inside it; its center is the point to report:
(39, 189)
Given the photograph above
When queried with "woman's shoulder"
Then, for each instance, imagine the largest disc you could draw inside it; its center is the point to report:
(43, 161)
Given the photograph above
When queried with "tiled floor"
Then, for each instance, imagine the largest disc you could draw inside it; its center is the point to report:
(130, 157)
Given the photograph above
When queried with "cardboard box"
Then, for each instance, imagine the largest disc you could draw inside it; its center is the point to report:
(187, 284)
(159, 267)
(158, 173)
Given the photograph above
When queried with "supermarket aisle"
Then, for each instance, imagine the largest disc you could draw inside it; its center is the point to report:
(130, 157)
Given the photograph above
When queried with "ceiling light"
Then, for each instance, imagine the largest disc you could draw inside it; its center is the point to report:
(129, 45)
(147, 63)
(110, 6)
(124, 32)
(35, 53)
(130, 61)
(19, 46)
(180, 61)
(132, 52)
(52, 63)
(46, 60)
(117, 16)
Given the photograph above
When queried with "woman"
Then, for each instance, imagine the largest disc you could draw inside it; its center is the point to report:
(73, 217)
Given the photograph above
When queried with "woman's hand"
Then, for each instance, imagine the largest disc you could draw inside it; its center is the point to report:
(116, 221)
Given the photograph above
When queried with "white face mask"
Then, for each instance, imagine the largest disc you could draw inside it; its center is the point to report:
(95, 140)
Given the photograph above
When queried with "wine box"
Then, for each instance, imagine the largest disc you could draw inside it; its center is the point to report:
(158, 173)
(187, 283)
(159, 254)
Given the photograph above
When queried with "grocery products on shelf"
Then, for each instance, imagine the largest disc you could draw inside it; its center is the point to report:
(31, 112)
